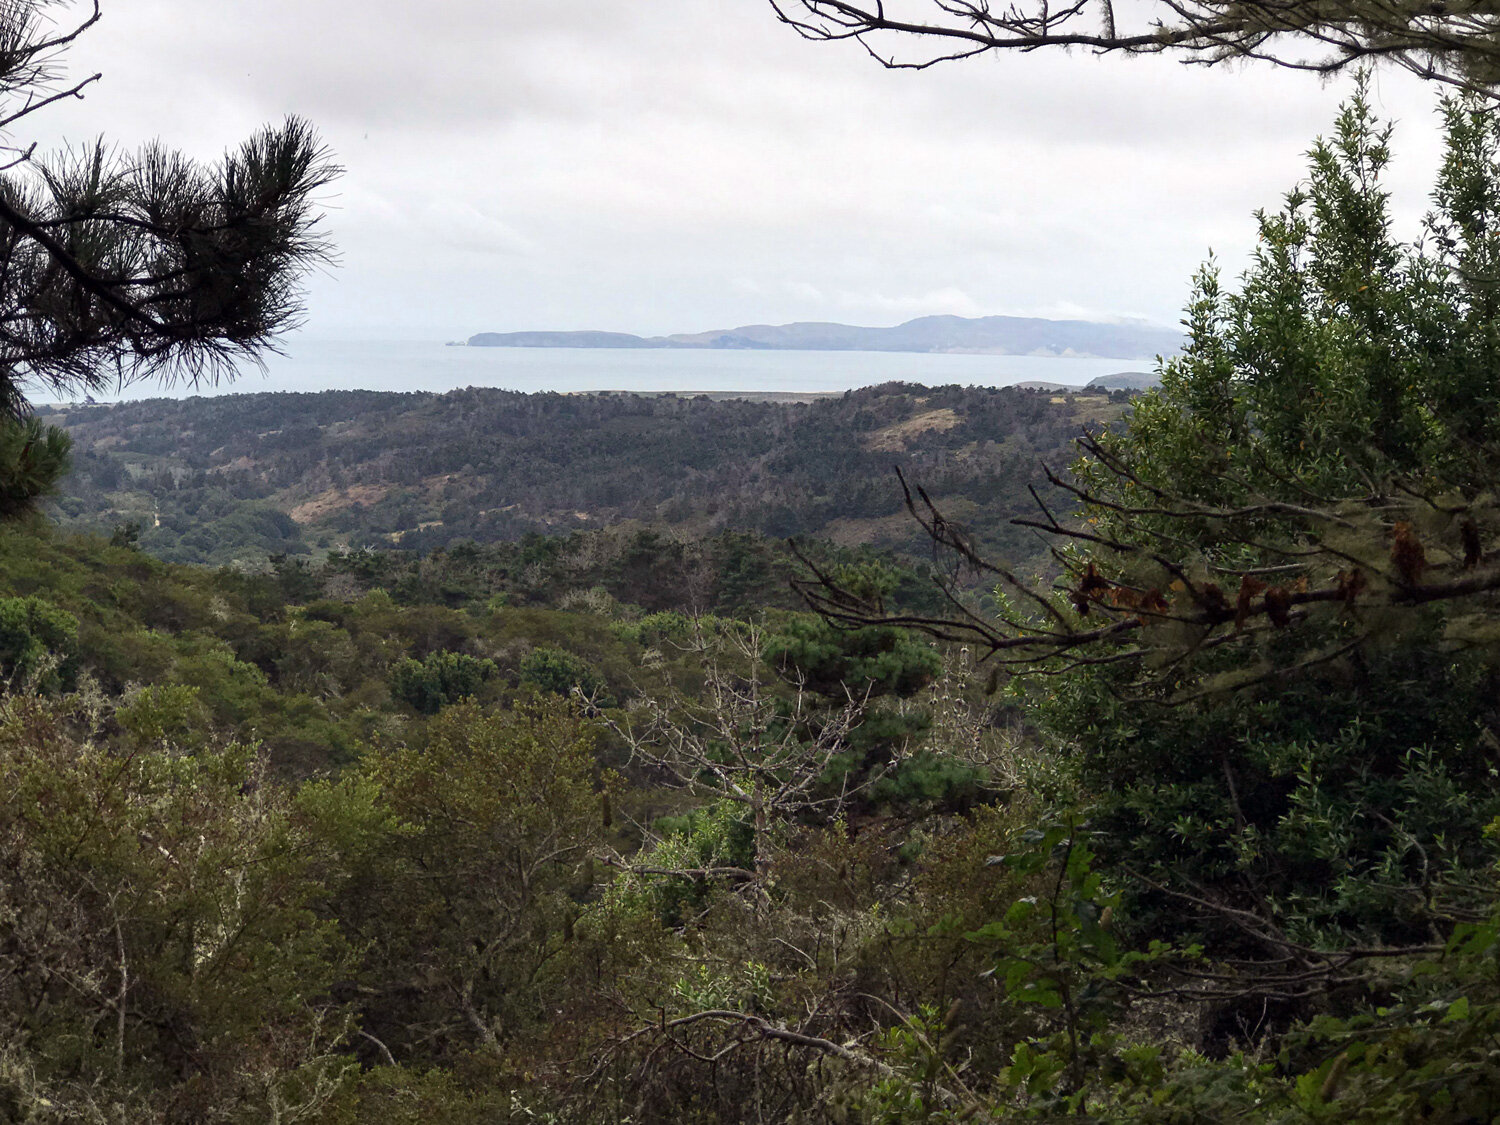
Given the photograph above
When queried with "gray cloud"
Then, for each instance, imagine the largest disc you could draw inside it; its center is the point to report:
(686, 164)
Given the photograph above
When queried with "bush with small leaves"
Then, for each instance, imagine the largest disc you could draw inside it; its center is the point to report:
(561, 673)
(38, 644)
(438, 679)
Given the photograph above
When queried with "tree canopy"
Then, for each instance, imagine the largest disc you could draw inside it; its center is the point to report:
(1319, 458)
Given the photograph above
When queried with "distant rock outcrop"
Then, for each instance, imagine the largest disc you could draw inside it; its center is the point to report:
(988, 335)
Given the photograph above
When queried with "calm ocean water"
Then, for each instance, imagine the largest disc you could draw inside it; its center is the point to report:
(317, 365)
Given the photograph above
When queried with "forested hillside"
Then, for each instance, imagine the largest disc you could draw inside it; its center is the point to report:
(212, 480)
(291, 796)
(571, 793)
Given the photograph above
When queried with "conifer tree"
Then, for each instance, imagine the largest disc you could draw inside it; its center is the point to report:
(121, 266)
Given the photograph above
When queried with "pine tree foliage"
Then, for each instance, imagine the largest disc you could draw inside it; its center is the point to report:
(33, 459)
(120, 266)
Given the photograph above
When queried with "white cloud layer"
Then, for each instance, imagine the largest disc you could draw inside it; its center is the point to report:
(681, 165)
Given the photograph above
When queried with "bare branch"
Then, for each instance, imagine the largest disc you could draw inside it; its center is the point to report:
(1456, 45)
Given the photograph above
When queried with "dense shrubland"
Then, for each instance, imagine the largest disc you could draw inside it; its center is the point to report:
(602, 828)
(213, 480)
(431, 845)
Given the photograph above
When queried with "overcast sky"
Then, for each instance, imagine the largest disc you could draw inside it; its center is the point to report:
(678, 165)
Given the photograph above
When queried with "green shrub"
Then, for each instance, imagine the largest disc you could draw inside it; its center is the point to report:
(38, 644)
(720, 835)
(163, 715)
(438, 679)
(559, 672)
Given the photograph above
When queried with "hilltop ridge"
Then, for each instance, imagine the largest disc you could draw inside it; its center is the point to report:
(990, 335)
(215, 480)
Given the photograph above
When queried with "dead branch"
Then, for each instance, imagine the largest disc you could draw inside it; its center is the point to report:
(1120, 591)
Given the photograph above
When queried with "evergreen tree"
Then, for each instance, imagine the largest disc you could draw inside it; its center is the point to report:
(1270, 656)
(116, 267)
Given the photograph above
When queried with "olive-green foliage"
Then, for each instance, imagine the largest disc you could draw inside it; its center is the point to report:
(438, 679)
(38, 644)
(452, 865)
(405, 1095)
(508, 471)
(501, 809)
(868, 662)
(561, 673)
(720, 835)
(666, 627)
(707, 837)
(163, 716)
(1345, 804)
(1426, 1057)
(1424, 1053)
(162, 955)
(309, 681)
(1338, 795)
(877, 667)
(930, 780)
(1345, 357)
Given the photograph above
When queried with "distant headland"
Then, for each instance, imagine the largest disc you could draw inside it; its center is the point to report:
(985, 335)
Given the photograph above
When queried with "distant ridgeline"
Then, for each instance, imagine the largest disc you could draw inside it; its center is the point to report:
(994, 335)
(240, 477)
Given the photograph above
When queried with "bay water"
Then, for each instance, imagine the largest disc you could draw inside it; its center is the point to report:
(406, 365)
